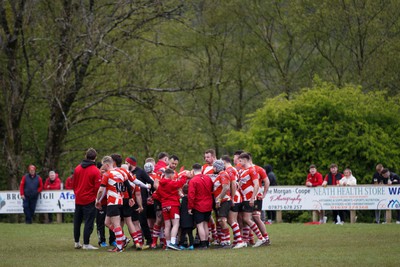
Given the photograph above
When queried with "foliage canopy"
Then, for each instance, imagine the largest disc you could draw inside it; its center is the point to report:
(321, 125)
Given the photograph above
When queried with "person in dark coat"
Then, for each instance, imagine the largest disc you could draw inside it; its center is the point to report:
(271, 214)
(186, 222)
(29, 189)
(142, 176)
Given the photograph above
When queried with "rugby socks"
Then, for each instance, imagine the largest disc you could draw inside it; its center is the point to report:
(156, 233)
(135, 238)
(119, 237)
(220, 233)
(140, 236)
(255, 229)
(251, 236)
(162, 237)
(212, 229)
(226, 236)
(245, 235)
(237, 237)
(266, 237)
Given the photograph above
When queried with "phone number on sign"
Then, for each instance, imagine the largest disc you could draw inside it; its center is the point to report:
(284, 207)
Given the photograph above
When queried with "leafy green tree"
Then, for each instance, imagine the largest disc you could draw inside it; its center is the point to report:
(321, 125)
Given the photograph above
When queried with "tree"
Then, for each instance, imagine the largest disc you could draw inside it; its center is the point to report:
(354, 39)
(16, 79)
(321, 125)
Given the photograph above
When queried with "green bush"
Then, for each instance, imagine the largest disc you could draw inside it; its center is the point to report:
(322, 125)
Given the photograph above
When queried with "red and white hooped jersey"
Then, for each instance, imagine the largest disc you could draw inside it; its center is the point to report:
(261, 176)
(128, 176)
(246, 186)
(113, 181)
(221, 180)
(234, 176)
(209, 170)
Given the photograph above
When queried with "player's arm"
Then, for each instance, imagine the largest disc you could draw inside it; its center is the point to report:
(100, 194)
(156, 184)
(128, 188)
(256, 186)
(138, 196)
(140, 183)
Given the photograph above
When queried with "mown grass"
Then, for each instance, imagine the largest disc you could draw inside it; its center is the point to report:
(292, 245)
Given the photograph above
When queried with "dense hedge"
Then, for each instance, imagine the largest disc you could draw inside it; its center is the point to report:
(322, 125)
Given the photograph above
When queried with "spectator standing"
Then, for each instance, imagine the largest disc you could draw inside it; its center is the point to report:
(314, 178)
(271, 214)
(348, 178)
(333, 178)
(29, 189)
(86, 182)
(52, 183)
(69, 182)
(391, 178)
(377, 179)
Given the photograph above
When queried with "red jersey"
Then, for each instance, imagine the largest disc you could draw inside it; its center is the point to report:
(246, 182)
(209, 170)
(221, 180)
(168, 191)
(160, 167)
(200, 193)
(315, 179)
(113, 181)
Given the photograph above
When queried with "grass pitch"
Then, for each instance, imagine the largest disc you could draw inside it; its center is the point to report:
(292, 245)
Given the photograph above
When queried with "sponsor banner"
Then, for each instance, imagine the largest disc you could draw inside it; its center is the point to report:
(278, 198)
(51, 201)
(333, 198)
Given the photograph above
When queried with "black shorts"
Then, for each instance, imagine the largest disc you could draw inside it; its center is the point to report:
(114, 210)
(157, 205)
(200, 217)
(237, 207)
(246, 207)
(151, 212)
(135, 214)
(126, 210)
(223, 210)
(258, 205)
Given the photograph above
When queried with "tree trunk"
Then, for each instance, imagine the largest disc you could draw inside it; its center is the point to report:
(15, 92)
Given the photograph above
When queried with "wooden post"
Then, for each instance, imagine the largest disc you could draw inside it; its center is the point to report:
(315, 216)
(388, 216)
(59, 217)
(278, 216)
(353, 217)
(46, 217)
